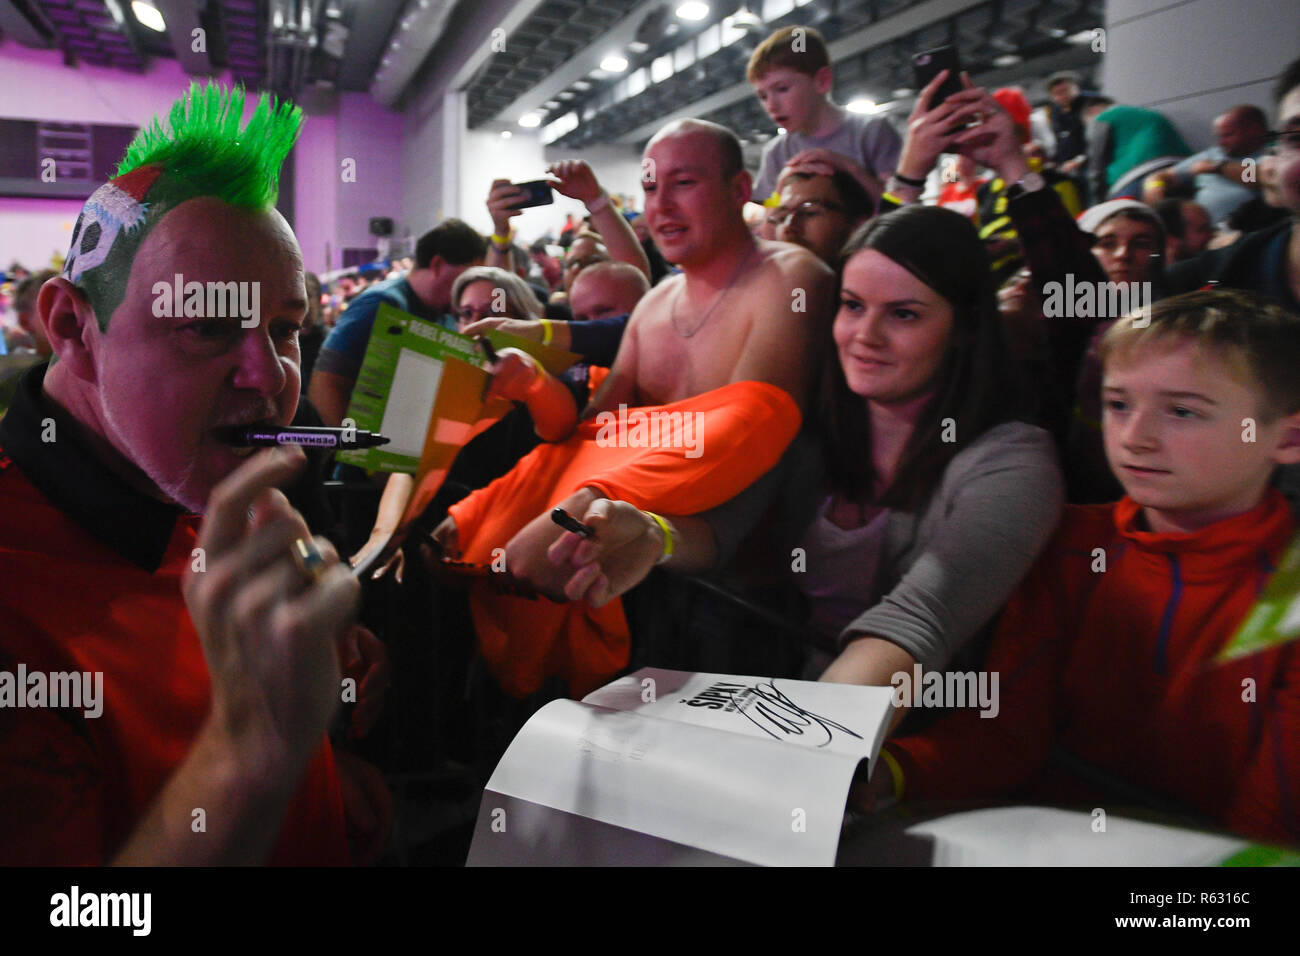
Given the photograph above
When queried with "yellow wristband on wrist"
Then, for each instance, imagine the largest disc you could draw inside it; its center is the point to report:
(668, 535)
(895, 771)
(501, 241)
(548, 331)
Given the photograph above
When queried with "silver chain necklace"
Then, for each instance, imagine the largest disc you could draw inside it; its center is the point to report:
(716, 302)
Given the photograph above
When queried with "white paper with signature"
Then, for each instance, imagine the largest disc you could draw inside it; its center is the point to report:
(748, 768)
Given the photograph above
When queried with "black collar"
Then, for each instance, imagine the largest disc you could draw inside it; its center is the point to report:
(134, 525)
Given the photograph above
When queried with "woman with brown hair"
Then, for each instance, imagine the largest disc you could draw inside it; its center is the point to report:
(925, 498)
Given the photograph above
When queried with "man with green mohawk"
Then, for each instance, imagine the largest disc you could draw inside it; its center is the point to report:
(204, 650)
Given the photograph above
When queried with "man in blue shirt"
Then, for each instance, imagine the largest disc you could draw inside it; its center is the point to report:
(1221, 174)
(441, 255)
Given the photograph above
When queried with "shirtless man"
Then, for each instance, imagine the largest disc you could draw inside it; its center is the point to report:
(742, 309)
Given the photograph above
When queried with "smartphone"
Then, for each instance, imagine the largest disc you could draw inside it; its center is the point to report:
(926, 66)
(539, 193)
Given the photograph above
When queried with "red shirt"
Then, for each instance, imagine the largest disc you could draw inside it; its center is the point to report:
(72, 787)
(1117, 667)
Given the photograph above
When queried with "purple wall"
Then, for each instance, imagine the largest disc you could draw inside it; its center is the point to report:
(34, 84)
(372, 135)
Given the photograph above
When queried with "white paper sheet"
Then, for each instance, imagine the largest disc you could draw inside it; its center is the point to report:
(410, 402)
(1033, 836)
(744, 768)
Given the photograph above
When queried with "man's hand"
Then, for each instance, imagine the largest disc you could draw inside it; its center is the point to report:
(268, 630)
(515, 375)
(867, 796)
(993, 142)
(819, 162)
(576, 180)
(500, 202)
(364, 658)
(825, 162)
(930, 132)
(625, 549)
(523, 328)
(447, 538)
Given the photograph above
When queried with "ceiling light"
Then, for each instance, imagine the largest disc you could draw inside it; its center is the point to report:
(506, 134)
(613, 63)
(566, 95)
(530, 121)
(582, 86)
(743, 18)
(636, 46)
(693, 10)
(551, 104)
(1083, 37)
(902, 92)
(1008, 59)
(148, 15)
(861, 105)
(1055, 32)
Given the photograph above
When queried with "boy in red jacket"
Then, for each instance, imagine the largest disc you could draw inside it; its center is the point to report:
(1108, 649)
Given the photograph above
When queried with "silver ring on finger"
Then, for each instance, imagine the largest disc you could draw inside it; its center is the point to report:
(308, 559)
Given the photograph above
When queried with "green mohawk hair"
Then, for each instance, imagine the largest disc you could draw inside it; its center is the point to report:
(204, 153)
(206, 147)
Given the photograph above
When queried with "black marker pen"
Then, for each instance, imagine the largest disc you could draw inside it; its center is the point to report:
(311, 437)
(569, 523)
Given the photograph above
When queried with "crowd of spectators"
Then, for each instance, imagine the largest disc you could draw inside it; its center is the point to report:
(935, 375)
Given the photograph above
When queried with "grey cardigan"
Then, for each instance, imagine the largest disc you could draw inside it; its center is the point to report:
(944, 572)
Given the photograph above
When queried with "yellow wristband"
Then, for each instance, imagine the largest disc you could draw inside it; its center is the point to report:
(774, 200)
(892, 198)
(668, 535)
(548, 331)
(502, 241)
(895, 771)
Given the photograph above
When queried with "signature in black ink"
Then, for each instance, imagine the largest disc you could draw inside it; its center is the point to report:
(771, 710)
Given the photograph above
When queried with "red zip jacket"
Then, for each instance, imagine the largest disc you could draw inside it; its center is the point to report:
(1117, 667)
(90, 582)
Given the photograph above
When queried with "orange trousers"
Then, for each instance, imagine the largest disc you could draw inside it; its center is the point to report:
(676, 459)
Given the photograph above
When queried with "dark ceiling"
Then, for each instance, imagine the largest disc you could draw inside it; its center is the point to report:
(284, 46)
(295, 47)
(1031, 29)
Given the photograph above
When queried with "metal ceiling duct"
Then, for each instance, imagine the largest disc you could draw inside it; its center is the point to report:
(416, 32)
(25, 24)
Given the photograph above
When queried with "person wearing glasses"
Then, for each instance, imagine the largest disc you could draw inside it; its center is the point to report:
(820, 212)
(483, 292)
(1268, 260)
